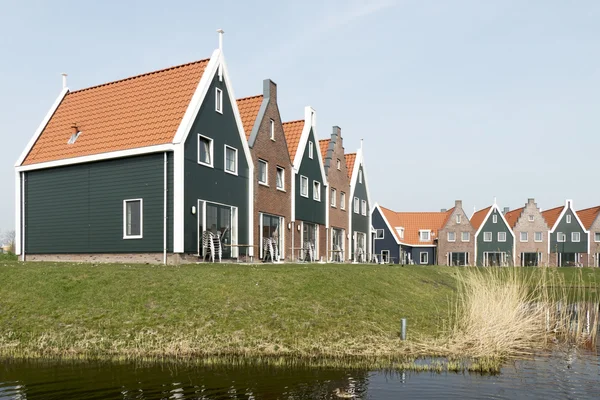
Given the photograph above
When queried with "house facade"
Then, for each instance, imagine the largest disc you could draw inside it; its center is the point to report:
(531, 235)
(359, 208)
(494, 239)
(568, 238)
(591, 221)
(137, 170)
(274, 173)
(310, 191)
(456, 238)
(332, 151)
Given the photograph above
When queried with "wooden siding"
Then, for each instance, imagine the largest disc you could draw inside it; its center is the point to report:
(307, 209)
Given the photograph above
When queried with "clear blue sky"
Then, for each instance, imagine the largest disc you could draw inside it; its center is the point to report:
(455, 99)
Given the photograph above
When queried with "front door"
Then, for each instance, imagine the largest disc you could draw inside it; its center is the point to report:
(218, 219)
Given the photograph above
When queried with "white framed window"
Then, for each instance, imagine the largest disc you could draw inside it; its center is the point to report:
(342, 200)
(303, 186)
(465, 236)
(133, 219)
(424, 257)
(363, 207)
(487, 236)
(263, 174)
(597, 237)
(317, 190)
(424, 235)
(360, 176)
(531, 218)
(537, 236)
(452, 236)
(385, 256)
(339, 164)
(575, 237)
(568, 219)
(561, 237)
(333, 197)
(502, 236)
(231, 160)
(310, 150)
(400, 232)
(280, 178)
(356, 205)
(524, 237)
(458, 218)
(494, 218)
(205, 151)
(379, 234)
(219, 100)
(272, 129)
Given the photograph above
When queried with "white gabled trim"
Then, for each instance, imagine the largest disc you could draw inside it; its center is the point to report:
(42, 126)
(492, 208)
(387, 223)
(178, 193)
(18, 220)
(310, 122)
(293, 203)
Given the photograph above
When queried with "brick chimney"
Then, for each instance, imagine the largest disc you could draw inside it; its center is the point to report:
(270, 89)
(458, 203)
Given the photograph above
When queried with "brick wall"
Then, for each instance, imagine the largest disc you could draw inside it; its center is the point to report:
(538, 224)
(458, 246)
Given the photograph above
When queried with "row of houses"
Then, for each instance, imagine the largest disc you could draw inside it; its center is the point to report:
(169, 166)
(526, 236)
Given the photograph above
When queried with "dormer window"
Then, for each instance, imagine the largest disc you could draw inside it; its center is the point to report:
(310, 150)
(219, 100)
(400, 232)
(424, 235)
(73, 137)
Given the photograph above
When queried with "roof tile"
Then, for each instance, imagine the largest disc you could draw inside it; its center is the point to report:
(478, 217)
(324, 144)
(588, 216)
(413, 222)
(293, 132)
(552, 215)
(350, 159)
(249, 107)
(513, 216)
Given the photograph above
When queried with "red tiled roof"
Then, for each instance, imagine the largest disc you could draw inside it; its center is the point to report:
(140, 111)
(513, 216)
(350, 159)
(249, 107)
(293, 132)
(412, 222)
(478, 217)
(324, 144)
(588, 216)
(448, 215)
(552, 215)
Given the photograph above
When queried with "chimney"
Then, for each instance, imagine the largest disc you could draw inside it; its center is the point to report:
(336, 132)
(458, 203)
(530, 201)
(64, 80)
(443, 210)
(221, 32)
(270, 90)
(506, 209)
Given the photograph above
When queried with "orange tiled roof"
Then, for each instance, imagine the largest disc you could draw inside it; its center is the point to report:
(478, 217)
(293, 132)
(412, 222)
(448, 214)
(552, 215)
(350, 159)
(588, 216)
(513, 216)
(140, 111)
(324, 144)
(249, 107)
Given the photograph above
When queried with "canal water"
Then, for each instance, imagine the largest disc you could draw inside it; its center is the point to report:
(563, 374)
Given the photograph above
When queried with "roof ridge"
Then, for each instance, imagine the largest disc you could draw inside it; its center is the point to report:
(589, 208)
(139, 76)
(250, 97)
(291, 122)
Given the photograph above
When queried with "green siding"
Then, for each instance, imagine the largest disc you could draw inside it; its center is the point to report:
(360, 223)
(308, 209)
(569, 246)
(495, 245)
(79, 208)
(214, 184)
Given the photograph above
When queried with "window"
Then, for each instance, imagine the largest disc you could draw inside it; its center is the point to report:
(339, 164)
(400, 232)
(280, 178)
(343, 200)
(575, 237)
(219, 100)
(230, 160)
(310, 150)
(458, 218)
(597, 237)
(363, 207)
(494, 218)
(378, 233)
(561, 237)
(133, 219)
(524, 237)
(316, 190)
(502, 236)
(531, 218)
(385, 256)
(568, 219)
(451, 236)
(487, 236)
(537, 237)
(333, 197)
(303, 186)
(356, 205)
(465, 236)
(360, 176)
(205, 151)
(272, 128)
(263, 177)
(424, 235)
(424, 257)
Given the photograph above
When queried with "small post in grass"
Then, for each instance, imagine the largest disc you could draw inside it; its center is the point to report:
(403, 329)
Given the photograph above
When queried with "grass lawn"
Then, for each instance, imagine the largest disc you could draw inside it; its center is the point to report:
(303, 310)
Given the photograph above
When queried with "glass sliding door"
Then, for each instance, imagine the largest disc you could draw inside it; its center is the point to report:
(272, 229)
(360, 247)
(337, 245)
(221, 221)
(309, 239)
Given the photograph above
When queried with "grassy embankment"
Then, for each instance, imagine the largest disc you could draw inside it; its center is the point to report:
(331, 314)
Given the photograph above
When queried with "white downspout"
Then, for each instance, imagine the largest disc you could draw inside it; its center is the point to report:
(23, 216)
(165, 212)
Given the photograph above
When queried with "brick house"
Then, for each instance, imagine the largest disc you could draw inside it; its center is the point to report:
(591, 221)
(456, 238)
(531, 235)
(273, 177)
(332, 151)
(568, 243)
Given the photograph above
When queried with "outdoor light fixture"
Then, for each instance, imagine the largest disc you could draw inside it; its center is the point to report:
(194, 210)
(298, 228)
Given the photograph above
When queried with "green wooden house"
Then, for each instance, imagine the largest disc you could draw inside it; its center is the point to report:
(568, 243)
(361, 240)
(494, 238)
